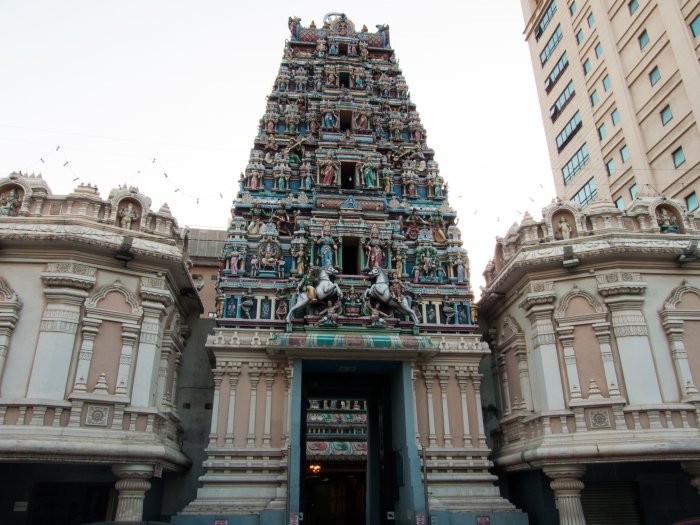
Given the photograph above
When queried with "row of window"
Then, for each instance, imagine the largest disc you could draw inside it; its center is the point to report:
(575, 163)
(586, 194)
(695, 26)
(551, 45)
(546, 19)
(570, 129)
(556, 72)
(562, 101)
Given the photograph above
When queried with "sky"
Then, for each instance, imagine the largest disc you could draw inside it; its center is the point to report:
(166, 95)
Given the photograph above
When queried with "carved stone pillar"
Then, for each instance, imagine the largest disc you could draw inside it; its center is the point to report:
(129, 337)
(623, 293)
(90, 329)
(234, 372)
(567, 489)
(503, 379)
(475, 377)
(539, 305)
(693, 468)
(462, 375)
(566, 336)
(269, 372)
(132, 486)
(214, 432)
(428, 376)
(524, 376)
(414, 376)
(254, 375)
(602, 333)
(674, 332)
(10, 306)
(443, 377)
(148, 363)
(66, 289)
(288, 376)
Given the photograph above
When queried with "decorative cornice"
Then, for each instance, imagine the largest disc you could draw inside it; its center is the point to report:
(69, 274)
(619, 283)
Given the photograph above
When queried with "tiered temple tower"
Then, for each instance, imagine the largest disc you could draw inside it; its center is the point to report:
(345, 358)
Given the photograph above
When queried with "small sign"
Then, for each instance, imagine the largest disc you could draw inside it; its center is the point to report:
(390, 516)
(483, 520)
(420, 519)
(220, 522)
(294, 519)
(158, 473)
(433, 520)
(20, 506)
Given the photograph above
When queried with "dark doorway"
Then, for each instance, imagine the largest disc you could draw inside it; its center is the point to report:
(344, 79)
(345, 120)
(347, 462)
(70, 503)
(347, 175)
(351, 256)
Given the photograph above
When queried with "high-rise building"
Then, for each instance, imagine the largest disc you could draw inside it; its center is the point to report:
(618, 84)
(345, 357)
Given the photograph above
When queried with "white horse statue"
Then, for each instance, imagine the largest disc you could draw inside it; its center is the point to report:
(323, 290)
(380, 291)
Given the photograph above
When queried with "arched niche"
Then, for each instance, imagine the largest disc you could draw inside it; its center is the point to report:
(681, 321)
(129, 214)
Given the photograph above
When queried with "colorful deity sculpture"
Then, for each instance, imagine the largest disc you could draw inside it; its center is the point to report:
(327, 247)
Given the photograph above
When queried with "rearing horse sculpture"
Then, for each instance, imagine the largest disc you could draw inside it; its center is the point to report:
(380, 291)
(323, 290)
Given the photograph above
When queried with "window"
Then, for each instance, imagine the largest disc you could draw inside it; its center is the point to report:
(695, 26)
(598, 50)
(551, 45)
(575, 163)
(602, 132)
(591, 20)
(632, 6)
(643, 39)
(580, 36)
(586, 194)
(606, 82)
(678, 157)
(573, 8)
(620, 203)
(666, 115)
(562, 101)
(615, 117)
(692, 202)
(569, 131)
(624, 153)
(558, 69)
(587, 66)
(654, 76)
(546, 19)
(633, 191)
(610, 167)
(594, 97)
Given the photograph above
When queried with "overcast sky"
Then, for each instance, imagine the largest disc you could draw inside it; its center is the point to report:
(117, 84)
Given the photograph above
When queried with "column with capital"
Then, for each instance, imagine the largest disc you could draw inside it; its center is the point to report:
(132, 487)
(567, 489)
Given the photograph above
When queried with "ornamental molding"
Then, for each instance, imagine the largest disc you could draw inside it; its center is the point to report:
(677, 295)
(165, 248)
(93, 300)
(618, 283)
(69, 274)
(537, 293)
(155, 289)
(599, 309)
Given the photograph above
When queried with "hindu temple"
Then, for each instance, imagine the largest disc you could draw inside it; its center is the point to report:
(345, 354)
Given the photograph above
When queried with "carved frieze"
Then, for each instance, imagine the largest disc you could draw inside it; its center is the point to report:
(69, 274)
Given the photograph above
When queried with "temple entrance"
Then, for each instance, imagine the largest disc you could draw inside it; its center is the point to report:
(348, 472)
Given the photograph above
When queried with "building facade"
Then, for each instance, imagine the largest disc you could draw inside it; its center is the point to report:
(617, 82)
(95, 301)
(593, 320)
(345, 355)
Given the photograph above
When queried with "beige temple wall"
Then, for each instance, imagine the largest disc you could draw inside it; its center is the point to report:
(22, 276)
(106, 354)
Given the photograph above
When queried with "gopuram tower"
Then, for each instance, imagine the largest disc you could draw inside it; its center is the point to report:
(345, 357)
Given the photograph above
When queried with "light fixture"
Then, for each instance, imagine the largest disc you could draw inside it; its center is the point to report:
(315, 468)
